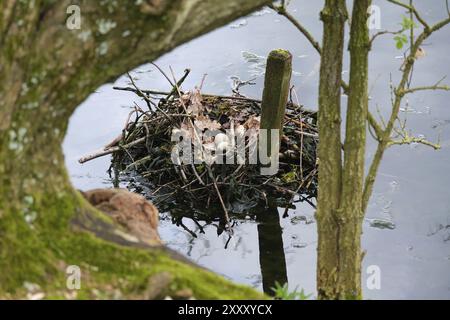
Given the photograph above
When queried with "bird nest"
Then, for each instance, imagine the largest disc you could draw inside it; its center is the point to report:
(144, 153)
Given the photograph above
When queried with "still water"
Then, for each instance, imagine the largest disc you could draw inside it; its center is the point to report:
(412, 192)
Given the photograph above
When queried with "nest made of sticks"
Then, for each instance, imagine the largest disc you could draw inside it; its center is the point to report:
(144, 150)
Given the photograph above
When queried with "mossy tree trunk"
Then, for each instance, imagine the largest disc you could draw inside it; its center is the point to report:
(334, 16)
(46, 71)
(340, 213)
(350, 214)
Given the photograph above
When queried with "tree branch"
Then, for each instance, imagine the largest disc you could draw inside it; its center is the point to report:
(413, 10)
(409, 140)
(380, 33)
(399, 93)
(375, 126)
(435, 87)
(282, 11)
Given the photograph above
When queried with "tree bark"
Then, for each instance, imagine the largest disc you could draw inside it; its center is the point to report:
(46, 71)
(340, 213)
(350, 213)
(334, 16)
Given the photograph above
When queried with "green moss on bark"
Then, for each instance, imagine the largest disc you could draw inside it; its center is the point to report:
(38, 252)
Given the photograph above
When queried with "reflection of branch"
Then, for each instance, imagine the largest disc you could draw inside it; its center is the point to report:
(413, 10)
(282, 11)
(192, 233)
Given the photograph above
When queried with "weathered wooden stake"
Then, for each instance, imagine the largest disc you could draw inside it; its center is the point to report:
(275, 95)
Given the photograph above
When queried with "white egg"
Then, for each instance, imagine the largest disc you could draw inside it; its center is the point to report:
(239, 132)
(176, 132)
(221, 139)
(222, 145)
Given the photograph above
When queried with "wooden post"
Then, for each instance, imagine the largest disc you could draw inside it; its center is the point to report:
(275, 95)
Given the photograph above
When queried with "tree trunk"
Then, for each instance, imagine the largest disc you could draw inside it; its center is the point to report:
(350, 214)
(340, 212)
(46, 71)
(334, 15)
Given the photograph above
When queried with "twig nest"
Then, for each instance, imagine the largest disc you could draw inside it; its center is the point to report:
(204, 149)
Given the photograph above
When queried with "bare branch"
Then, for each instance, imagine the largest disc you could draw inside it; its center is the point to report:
(375, 126)
(413, 10)
(282, 11)
(380, 33)
(104, 152)
(398, 93)
(163, 73)
(146, 98)
(410, 140)
(439, 25)
(412, 90)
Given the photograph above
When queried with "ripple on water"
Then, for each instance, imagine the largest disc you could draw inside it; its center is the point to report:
(303, 219)
(239, 24)
(381, 224)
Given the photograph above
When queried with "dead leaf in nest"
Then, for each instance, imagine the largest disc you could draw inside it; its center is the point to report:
(195, 102)
(226, 125)
(242, 115)
(187, 130)
(201, 123)
(185, 98)
(252, 123)
(204, 122)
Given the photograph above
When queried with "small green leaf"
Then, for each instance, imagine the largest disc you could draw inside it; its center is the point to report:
(407, 23)
(400, 41)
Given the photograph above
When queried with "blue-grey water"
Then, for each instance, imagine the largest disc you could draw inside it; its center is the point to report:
(412, 191)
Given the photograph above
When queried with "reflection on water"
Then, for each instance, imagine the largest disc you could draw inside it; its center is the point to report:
(271, 250)
(412, 189)
(268, 238)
